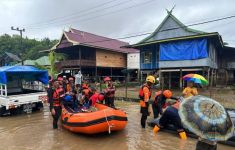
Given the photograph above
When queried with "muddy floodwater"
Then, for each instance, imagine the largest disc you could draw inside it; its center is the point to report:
(34, 131)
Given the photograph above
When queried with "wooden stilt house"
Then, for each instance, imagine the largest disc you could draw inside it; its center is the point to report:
(174, 50)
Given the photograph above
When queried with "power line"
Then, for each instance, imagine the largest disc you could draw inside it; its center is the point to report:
(68, 19)
(174, 28)
(72, 14)
(105, 14)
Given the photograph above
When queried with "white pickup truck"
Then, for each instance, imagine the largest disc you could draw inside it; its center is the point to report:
(20, 98)
(21, 91)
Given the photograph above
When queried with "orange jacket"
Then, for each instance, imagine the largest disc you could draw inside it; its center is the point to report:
(147, 93)
(57, 94)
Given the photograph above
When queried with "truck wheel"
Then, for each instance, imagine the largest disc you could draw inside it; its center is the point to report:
(13, 111)
(2, 110)
(39, 106)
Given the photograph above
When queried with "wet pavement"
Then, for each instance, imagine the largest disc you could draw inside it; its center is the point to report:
(34, 131)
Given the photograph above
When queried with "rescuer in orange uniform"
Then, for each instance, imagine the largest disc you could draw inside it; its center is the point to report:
(160, 102)
(55, 104)
(171, 116)
(145, 95)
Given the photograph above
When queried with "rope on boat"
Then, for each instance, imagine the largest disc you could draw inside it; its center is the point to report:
(110, 126)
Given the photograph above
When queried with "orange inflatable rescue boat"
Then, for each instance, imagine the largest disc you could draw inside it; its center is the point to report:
(105, 119)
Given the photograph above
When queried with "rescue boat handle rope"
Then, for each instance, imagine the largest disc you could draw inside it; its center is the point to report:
(110, 126)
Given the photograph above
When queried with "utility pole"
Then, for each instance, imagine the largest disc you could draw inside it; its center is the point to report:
(21, 38)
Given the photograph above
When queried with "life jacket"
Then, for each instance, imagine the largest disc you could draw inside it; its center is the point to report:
(86, 92)
(141, 91)
(57, 96)
(162, 100)
(70, 88)
(93, 99)
(110, 91)
(84, 86)
(158, 93)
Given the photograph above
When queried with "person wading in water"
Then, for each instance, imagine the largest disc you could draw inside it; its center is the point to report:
(145, 95)
(55, 104)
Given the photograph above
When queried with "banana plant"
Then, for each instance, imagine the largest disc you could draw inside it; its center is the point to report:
(53, 57)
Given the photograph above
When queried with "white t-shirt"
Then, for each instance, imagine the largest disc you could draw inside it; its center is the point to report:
(78, 79)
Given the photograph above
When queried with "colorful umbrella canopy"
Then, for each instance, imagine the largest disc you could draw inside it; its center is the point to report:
(196, 78)
(206, 118)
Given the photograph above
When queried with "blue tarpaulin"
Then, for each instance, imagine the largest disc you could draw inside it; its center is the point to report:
(184, 50)
(27, 73)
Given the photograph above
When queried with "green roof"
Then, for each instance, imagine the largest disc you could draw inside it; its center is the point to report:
(43, 61)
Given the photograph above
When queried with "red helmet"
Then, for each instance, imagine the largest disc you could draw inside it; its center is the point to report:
(107, 79)
(101, 97)
(84, 86)
(60, 79)
(167, 93)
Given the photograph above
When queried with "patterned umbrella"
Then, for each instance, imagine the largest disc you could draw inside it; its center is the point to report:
(206, 118)
(196, 78)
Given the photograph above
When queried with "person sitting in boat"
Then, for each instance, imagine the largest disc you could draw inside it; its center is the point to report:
(85, 83)
(171, 116)
(101, 98)
(190, 90)
(55, 104)
(86, 94)
(96, 97)
(109, 92)
(65, 82)
(71, 91)
(70, 87)
(160, 102)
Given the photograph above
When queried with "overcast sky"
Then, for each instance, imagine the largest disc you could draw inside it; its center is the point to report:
(112, 18)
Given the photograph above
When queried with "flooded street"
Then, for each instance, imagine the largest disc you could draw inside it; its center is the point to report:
(34, 131)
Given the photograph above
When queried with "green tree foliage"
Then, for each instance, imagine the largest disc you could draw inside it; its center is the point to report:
(30, 47)
(53, 57)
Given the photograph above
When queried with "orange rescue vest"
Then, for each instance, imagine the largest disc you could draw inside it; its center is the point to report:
(141, 95)
(56, 96)
(141, 91)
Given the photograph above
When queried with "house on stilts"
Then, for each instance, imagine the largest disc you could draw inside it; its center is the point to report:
(174, 50)
(94, 55)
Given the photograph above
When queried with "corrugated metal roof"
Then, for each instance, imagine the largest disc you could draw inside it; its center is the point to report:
(43, 61)
(213, 34)
(13, 56)
(177, 21)
(78, 37)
